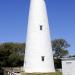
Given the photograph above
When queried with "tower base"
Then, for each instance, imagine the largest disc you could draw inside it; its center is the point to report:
(31, 72)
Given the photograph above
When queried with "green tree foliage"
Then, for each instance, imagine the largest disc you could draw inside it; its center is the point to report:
(60, 48)
(15, 60)
(11, 54)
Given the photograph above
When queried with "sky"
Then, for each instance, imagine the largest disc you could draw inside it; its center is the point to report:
(14, 18)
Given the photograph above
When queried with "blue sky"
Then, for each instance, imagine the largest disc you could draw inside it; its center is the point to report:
(14, 16)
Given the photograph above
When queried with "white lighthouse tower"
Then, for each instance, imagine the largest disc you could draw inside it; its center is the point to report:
(38, 53)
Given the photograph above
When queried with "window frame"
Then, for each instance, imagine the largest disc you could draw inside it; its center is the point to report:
(43, 58)
(41, 27)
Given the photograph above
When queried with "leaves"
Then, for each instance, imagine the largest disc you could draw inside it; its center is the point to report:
(11, 54)
(59, 47)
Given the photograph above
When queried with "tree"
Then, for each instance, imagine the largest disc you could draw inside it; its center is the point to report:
(11, 54)
(57, 63)
(59, 47)
(14, 60)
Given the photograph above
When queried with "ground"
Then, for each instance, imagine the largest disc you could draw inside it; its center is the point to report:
(57, 73)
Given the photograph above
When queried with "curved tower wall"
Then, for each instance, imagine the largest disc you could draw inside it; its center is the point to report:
(38, 53)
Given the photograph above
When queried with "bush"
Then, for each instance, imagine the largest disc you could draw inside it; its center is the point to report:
(57, 63)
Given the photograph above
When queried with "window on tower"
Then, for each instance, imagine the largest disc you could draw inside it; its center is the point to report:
(40, 27)
(42, 58)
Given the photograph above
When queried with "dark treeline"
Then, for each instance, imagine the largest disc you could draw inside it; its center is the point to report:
(12, 54)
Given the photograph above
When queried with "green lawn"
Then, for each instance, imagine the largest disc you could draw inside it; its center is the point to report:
(57, 73)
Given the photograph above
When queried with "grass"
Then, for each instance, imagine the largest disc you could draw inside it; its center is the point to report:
(57, 73)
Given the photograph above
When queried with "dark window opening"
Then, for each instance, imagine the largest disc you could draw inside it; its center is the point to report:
(42, 58)
(40, 27)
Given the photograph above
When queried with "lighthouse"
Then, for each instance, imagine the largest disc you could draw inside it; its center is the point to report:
(38, 52)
